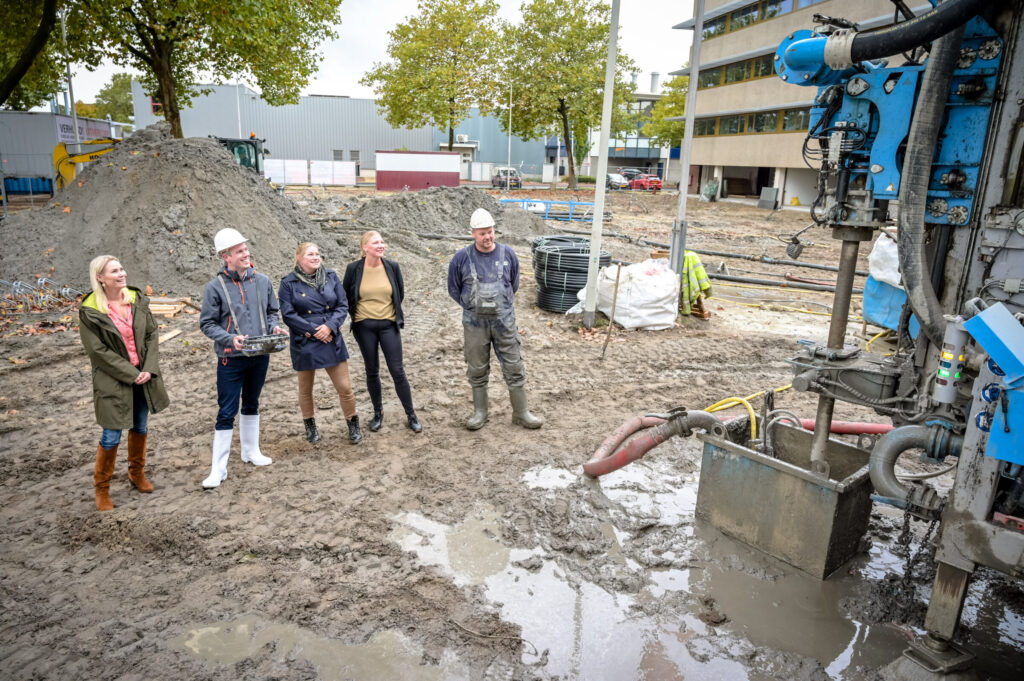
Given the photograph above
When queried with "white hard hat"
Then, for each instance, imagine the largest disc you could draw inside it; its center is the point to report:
(481, 219)
(226, 238)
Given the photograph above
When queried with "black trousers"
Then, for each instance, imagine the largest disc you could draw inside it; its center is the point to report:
(372, 334)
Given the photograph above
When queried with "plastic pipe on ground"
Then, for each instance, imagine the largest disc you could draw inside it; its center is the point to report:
(772, 282)
(851, 427)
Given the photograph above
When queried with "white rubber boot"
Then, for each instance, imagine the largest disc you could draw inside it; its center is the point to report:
(249, 433)
(219, 465)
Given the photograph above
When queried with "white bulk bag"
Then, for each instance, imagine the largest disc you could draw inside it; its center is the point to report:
(648, 295)
(884, 260)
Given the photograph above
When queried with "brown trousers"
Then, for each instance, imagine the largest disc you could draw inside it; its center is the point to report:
(342, 383)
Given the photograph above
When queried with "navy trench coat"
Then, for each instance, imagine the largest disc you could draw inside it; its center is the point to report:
(304, 308)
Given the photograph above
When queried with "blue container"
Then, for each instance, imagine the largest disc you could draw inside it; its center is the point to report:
(28, 185)
(883, 305)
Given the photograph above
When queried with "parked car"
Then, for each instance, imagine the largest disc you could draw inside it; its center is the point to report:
(615, 181)
(503, 176)
(652, 182)
(630, 173)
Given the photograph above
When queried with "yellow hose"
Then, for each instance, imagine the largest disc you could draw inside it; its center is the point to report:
(867, 346)
(730, 402)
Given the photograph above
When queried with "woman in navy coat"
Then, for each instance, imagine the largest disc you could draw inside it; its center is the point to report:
(313, 306)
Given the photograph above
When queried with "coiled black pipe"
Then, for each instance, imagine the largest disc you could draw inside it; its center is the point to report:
(917, 171)
(914, 33)
(559, 240)
(560, 267)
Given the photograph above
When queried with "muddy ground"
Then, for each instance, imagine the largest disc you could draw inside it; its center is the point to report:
(448, 554)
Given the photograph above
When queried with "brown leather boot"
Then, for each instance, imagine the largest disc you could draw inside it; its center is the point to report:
(105, 460)
(137, 462)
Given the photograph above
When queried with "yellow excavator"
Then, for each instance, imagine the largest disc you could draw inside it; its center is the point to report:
(64, 161)
(248, 153)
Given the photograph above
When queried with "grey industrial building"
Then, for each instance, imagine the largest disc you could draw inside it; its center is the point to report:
(334, 128)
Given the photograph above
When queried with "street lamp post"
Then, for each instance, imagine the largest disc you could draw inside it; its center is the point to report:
(508, 162)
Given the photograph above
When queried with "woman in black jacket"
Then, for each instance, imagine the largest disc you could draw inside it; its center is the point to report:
(314, 307)
(375, 290)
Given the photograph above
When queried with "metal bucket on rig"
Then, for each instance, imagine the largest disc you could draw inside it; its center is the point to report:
(777, 505)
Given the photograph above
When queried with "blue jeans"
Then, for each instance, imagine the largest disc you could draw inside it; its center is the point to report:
(239, 377)
(140, 419)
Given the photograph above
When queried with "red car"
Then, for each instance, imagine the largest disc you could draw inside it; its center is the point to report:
(652, 182)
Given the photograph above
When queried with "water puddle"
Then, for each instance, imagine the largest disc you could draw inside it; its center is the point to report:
(469, 552)
(652, 491)
(778, 622)
(546, 477)
(387, 655)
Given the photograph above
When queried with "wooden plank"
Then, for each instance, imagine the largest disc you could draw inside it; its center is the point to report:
(169, 335)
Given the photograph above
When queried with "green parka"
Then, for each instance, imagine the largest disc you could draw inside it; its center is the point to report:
(113, 375)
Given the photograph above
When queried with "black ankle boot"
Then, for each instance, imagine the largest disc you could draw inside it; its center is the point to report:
(377, 421)
(414, 423)
(354, 436)
(312, 434)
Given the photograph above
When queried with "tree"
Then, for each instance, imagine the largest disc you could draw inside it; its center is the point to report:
(86, 110)
(115, 98)
(556, 70)
(665, 133)
(271, 42)
(442, 63)
(30, 70)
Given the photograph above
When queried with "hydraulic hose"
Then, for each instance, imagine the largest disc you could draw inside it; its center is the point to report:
(917, 170)
(937, 443)
(916, 32)
(655, 431)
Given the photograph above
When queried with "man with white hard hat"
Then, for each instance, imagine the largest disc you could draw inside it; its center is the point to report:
(483, 278)
(239, 302)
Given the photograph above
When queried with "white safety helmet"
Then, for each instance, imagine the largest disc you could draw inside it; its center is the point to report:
(226, 238)
(481, 220)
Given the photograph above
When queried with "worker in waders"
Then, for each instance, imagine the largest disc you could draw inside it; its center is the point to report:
(483, 278)
(237, 303)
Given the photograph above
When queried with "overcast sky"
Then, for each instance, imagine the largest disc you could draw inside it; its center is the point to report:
(646, 35)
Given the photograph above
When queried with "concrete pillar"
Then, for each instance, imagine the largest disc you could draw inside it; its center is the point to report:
(780, 184)
(719, 174)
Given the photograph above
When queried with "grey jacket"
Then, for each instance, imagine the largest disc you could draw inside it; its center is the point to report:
(247, 293)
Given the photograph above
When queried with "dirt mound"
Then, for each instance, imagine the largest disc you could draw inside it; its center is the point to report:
(156, 202)
(445, 211)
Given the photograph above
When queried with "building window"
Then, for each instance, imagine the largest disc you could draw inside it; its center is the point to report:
(743, 17)
(339, 154)
(709, 78)
(354, 155)
(773, 8)
(751, 14)
(731, 125)
(705, 127)
(763, 122)
(796, 119)
(715, 27)
(737, 72)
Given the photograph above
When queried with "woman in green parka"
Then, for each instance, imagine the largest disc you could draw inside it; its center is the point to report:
(120, 337)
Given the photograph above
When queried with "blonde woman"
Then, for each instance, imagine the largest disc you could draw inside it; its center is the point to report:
(120, 337)
(314, 307)
(375, 291)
